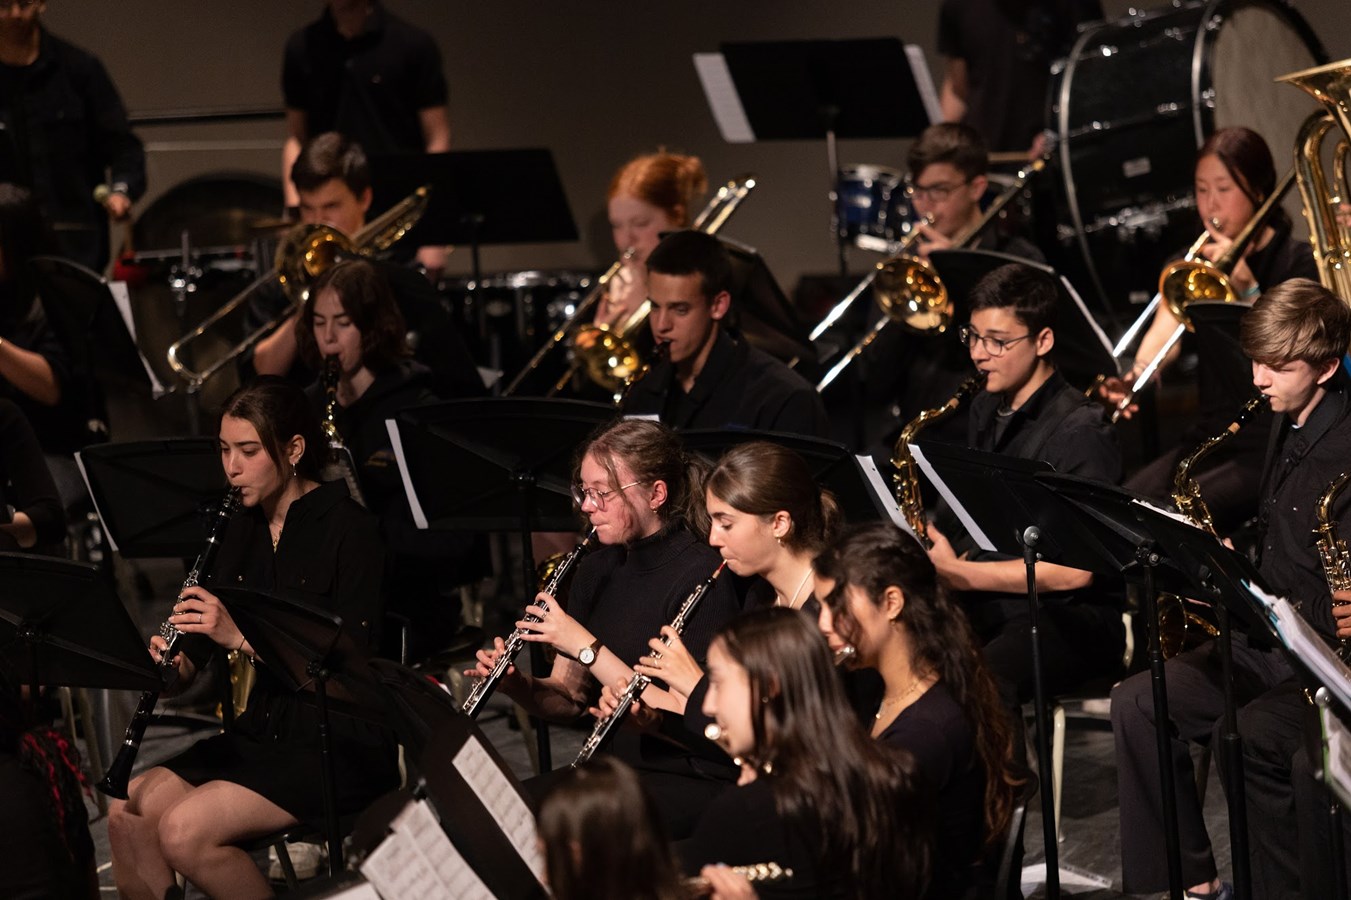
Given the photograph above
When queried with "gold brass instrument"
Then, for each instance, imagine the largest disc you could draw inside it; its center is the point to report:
(1179, 626)
(607, 354)
(1332, 551)
(907, 475)
(908, 290)
(340, 464)
(1331, 240)
(305, 253)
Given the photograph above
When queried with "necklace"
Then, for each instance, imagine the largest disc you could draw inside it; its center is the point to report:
(792, 604)
(892, 701)
(276, 539)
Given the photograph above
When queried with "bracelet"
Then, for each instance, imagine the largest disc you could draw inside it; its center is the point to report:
(1251, 292)
(241, 644)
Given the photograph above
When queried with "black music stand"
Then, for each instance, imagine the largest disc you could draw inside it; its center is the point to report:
(154, 498)
(61, 623)
(1082, 350)
(813, 89)
(307, 650)
(82, 312)
(1223, 370)
(760, 309)
(844, 474)
(496, 464)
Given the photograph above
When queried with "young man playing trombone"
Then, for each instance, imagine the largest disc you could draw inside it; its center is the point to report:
(1295, 336)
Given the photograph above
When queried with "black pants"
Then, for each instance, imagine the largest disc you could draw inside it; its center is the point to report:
(1270, 724)
(1228, 480)
(1312, 800)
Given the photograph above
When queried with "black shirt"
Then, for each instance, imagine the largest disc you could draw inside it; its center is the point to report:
(739, 387)
(62, 428)
(1300, 464)
(371, 88)
(26, 484)
(65, 131)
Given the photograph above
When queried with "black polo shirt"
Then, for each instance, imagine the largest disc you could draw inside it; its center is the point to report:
(369, 88)
(1300, 464)
(739, 387)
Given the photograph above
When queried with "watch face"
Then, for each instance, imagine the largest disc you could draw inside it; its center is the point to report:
(587, 656)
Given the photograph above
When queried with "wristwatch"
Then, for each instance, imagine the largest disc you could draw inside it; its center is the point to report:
(587, 655)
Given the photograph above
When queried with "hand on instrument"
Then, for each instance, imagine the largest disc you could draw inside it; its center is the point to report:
(931, 239)
(626, 292)
(118, 206)
(186, 670)
(945, 559)
(485, 660)
(641, 716)
(1241, 277)
(198, 611)
(555, 626)
(432, 258)
(724, 884)
(1341, 613)
(676, 665)
(1113, 390)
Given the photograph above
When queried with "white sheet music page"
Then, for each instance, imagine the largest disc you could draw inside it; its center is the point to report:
(723, 99)
(879, 485)
(1170, 513)
(946, 493)
(1336, 754)
(502, 801)
(924, 81)
(122, 300)
(1307, 644)
(418, 860)
(414, 504)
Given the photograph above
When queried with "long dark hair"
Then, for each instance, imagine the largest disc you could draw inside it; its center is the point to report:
(654, 452)
(366, 298)
(876, 556)
(853, 798)
(603, 839)
(1247, 158)
(761, 478)
(278, 411)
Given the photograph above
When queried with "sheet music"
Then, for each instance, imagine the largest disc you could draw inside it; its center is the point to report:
(1170, 513)
(414, 505)
(418, 860)
(924, 81)
(1336, 754)
(84, 475)
(1087, 316)
(946, 493)
(122, 299)
(1307, 644)
(879, 486)
(502, 801)
(723, 100)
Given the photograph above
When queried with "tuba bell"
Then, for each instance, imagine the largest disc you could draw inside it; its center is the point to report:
(1331, 239)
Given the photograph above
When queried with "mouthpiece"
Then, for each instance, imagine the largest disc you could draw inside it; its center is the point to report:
(713, 731)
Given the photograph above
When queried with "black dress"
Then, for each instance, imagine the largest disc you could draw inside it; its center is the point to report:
(329, 556)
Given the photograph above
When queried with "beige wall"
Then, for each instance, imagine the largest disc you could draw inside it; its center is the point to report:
(596, 81)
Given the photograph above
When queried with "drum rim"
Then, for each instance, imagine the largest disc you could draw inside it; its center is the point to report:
(533, 278)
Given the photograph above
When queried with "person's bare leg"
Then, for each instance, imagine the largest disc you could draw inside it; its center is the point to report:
(139, 868)
(198, 837)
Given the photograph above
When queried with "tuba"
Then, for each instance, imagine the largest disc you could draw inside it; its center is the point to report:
(907, 478)
(1331, 86)
(306, 252)
(1332, 550)
(1180, 627)
(908, 290)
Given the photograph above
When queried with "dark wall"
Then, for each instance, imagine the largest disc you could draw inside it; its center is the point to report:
(595, 81)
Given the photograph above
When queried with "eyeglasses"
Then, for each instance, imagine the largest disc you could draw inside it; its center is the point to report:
(993, 345)
(935, 192)
(581, 495)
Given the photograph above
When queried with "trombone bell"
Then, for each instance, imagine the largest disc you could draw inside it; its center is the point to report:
(908, 291)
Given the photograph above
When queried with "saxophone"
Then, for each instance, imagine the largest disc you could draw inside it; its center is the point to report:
(1332, 550)
(1180, 627)
(605, 725)
(339, 463)
(907, 475)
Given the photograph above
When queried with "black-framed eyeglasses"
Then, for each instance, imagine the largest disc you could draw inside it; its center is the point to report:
(581, 495)
(935, 192)
(993, 345)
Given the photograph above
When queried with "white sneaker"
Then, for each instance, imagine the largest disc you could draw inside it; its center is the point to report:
(306, 859)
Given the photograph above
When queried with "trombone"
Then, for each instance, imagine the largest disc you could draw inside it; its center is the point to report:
(908, 290)
(1192, 280)
(306, 252)
(605, 354)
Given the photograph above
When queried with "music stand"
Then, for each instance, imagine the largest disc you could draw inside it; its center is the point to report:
(760, 309)
(62, 624)
(1223, 370)
(307, 650)
(1082, 350)
(154, 498)
(813, 89)
(858, 486)
(85, 318)
(496, 464)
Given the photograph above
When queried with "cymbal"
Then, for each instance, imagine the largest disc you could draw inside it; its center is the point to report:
(270, 223)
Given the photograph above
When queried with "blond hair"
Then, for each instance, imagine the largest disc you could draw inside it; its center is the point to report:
(1297, 320)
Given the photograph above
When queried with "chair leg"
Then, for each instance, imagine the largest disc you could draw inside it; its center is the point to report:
(1058, 762)
(288, 869)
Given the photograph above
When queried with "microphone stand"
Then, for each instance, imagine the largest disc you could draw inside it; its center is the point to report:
(1031, 538)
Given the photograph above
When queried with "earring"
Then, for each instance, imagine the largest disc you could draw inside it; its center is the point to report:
(294, 473)
(780, 540)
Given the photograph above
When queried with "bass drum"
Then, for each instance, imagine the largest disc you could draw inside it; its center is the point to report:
(1131, 104)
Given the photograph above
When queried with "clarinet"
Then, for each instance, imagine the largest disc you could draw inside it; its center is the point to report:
(484, 687)
(115, 781)
(605, 725)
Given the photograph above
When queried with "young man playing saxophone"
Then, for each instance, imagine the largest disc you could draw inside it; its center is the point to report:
(1295, 335)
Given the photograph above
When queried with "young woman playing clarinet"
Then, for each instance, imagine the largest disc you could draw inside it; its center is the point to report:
(297, 537)
(880, 596)
(644, 497)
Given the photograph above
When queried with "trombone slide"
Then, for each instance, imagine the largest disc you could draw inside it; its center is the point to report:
(1148, 372)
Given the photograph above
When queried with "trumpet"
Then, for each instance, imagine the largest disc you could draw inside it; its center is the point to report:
(118, 776)
(608, 355)
(605, 725)
(306, 252)
(484, 687)
(908, 290)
